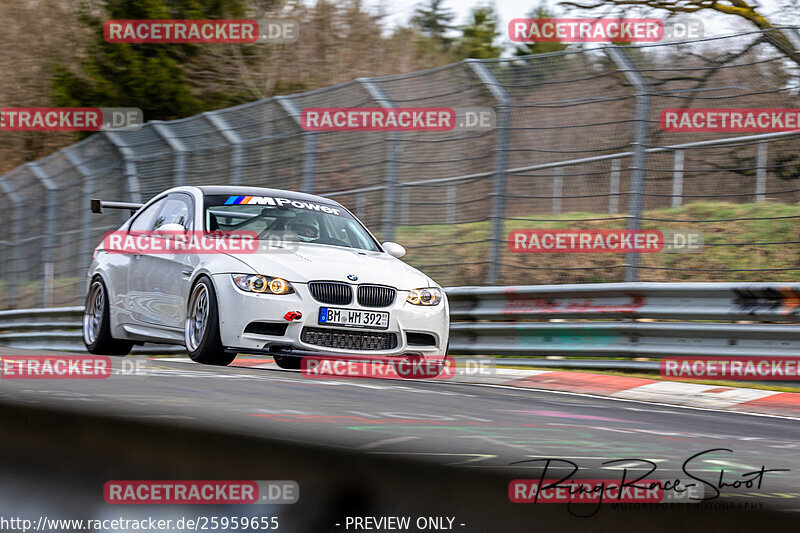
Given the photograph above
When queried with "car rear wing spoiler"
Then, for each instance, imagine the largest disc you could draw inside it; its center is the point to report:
(98, 205)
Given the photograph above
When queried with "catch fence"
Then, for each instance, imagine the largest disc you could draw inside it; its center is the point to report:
(576, 144)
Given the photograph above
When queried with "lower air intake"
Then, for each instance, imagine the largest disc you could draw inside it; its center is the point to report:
(349, 340)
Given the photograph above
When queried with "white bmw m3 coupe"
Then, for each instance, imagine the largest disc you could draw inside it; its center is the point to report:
(306, 277)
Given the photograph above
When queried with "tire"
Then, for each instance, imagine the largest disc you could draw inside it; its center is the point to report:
(201, 329)
(288, 362)
(97, 323)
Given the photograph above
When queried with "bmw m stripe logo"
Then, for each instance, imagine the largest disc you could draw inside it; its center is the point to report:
(281, 202)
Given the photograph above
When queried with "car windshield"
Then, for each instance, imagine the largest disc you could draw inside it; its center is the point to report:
(275, 217)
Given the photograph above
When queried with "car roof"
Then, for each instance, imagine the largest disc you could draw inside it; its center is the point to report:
(263, 191)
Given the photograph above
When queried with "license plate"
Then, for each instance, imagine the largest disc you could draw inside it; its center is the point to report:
(334, 316)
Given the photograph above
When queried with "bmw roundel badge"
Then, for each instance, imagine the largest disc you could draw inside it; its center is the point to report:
(352, 277)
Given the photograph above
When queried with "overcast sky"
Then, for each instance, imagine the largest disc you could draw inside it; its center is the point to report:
(715, 24)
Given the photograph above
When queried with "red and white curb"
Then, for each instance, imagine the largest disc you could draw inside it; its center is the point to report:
(740, 399)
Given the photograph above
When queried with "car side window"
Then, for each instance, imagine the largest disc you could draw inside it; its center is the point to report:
(144, 220)
(177, 210)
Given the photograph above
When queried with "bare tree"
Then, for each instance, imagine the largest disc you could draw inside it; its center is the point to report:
(751, 12)
(37, 35)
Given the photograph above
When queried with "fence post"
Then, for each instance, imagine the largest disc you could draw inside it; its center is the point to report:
(613, 188)
(309, 144)
(87, 192)
(639, 145)
(131, 180)
(405, 205)
(234, 140)
(392, 156)
(558, 189)
(761, 172)
(360, 205)
(178, 147)
(50, 220)
(451, 203)
(677, 179)
(15, 235)
(502, 105)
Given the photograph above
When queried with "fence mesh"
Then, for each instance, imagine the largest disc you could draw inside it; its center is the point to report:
(559, 156)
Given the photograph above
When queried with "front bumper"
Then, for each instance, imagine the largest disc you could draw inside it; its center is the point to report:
(238, 309)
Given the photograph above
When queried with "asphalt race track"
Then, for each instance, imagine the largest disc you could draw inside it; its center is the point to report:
(441, 427)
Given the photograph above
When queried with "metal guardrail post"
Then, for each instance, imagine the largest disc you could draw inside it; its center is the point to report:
(389, 218)
(178, 147)
(761, 172)
(50, 221)
(131, 179)
(639, 145)
(309, 144)
(230, 135)
(503, 112)
(677, 179)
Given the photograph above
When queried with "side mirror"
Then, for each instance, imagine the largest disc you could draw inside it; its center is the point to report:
(394, 249)
(171, 229)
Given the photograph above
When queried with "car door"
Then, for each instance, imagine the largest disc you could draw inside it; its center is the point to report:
(158, 281)
(120, 272)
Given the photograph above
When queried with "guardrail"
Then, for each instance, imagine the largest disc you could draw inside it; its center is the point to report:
(58, 329)
(760, 302)
(534, 319)
(620, 339)
(627, 320)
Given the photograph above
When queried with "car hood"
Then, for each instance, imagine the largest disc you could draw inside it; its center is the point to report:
(309, 262)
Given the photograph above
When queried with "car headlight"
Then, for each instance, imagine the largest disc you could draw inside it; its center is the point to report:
(262, 284)
(427, 296)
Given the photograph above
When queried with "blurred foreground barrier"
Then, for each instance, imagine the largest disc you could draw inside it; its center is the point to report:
(534, 319)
